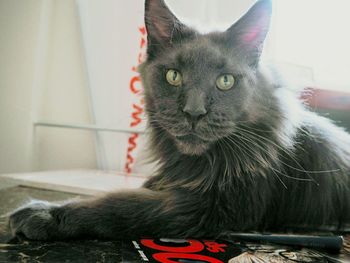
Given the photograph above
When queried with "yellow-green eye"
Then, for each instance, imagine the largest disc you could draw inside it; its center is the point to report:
(225, 82)
(174, 77)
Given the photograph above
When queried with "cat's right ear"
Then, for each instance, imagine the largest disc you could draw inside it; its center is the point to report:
(163, 27)
(249, 31)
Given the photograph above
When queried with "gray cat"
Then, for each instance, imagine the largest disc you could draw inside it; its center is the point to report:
(235, 151)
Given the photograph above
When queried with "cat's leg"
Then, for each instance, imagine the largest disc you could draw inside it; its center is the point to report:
(136, 213)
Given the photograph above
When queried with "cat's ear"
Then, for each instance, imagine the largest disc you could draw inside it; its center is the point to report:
(163, 27)
(250, 31)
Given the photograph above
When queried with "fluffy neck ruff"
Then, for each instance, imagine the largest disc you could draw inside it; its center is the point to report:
(251, 152)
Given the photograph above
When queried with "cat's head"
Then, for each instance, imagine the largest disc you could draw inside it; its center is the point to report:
(198, 87)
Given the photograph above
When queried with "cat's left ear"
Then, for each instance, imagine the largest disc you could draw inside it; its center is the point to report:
(250, 31)
(163, 27)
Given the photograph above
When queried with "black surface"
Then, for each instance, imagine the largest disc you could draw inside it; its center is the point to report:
(77, 251)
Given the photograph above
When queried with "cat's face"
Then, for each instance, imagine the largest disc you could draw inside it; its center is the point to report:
(199, 87)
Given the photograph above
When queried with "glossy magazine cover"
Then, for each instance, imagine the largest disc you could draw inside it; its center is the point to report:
(219, 251)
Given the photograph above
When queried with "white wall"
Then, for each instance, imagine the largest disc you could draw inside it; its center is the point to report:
(64, 95)
(19, 23)
(49, 83)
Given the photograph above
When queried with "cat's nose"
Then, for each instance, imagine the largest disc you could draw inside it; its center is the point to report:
(195, 104)
(195, 112)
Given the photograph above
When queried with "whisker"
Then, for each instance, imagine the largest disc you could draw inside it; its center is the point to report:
(296, 178)
(274, 170)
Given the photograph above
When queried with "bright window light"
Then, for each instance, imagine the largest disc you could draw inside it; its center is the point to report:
(314, 34)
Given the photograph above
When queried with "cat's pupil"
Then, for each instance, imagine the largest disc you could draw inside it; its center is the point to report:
(174, 75)
(225, 79)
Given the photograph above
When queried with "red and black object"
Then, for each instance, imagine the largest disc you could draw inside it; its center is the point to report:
(251, 247)
(184, 251)
(324, 99)
(329, 103)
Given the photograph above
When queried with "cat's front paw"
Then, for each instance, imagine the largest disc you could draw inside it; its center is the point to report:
(34, 221)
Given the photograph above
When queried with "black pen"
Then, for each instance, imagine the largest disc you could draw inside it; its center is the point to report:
(331, 243)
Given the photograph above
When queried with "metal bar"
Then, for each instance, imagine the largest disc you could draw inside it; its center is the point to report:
(83, 127)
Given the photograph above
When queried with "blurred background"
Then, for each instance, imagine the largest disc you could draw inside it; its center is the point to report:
(70, 96)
